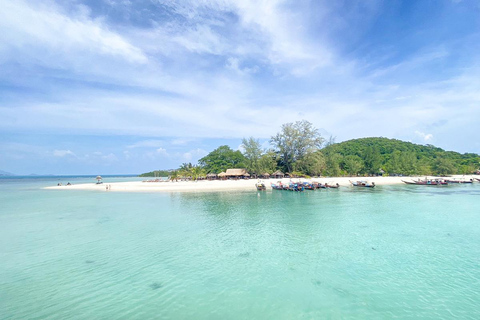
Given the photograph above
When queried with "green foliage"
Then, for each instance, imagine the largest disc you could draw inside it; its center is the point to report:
(221, 159)
(298, 174)
(252, 153)
(311, 164)
(397, 157)
(372, 159)
(353, 164)
(268, 163)
(174, 175)
(295, 141)
(297, 150)
(333, 161)
(157, 173)
(444, 166)
(197, 172)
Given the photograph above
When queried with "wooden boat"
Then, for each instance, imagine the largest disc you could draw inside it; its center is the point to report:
(309, 186)
(364, 184)
(477, 179)
(459, 181)
(260, 186)
(296, 187)
(316, 185)
(427, 182)
(332, 186)
(278, 185)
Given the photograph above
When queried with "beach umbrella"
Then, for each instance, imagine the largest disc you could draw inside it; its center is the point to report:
(99, 178)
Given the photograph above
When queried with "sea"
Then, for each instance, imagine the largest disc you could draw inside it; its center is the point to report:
(392, 252)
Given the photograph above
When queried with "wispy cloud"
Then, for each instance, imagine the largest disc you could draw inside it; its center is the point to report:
(424, 136)
(43, 26)
(63, 153)
(174, 74)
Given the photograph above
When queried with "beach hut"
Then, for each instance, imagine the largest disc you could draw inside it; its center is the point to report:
(278, 174)
(237, 173)
(222, 175)
(266, 175)
(99, 179)
(211, 176)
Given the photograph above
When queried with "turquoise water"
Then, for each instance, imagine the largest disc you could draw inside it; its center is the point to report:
(407, 252)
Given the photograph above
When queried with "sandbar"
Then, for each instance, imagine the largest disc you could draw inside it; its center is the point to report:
(234, 185)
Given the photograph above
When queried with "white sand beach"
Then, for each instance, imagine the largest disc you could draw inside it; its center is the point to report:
(233, 185)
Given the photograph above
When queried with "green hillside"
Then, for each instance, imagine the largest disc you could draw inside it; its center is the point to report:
(395, 157)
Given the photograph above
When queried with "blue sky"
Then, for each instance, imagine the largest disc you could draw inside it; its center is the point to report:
(119, 86)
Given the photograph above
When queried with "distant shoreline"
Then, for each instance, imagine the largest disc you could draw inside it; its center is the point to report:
(230, 185)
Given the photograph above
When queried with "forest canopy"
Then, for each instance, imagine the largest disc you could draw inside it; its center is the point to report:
(299, 149)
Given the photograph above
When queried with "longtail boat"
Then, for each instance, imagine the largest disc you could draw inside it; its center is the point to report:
(427, 182)
(364, 184)
(332, 186)
(260, 186)
(316, 185)
(309, 186)
(459, 181)
(277, 186)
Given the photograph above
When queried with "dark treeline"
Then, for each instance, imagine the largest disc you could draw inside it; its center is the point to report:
(300, 150)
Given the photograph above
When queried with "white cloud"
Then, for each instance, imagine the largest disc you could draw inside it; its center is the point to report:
(147, 144)
(162, 152)
(425, 136)
(194, 154)
(234, 64)
(63, 153)
(217, 69)
(42, 28)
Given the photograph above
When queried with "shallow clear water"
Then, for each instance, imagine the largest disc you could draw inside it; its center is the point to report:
(408, 252)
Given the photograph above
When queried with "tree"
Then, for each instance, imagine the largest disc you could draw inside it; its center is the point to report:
(252, 153)
(353, 164)
(174, 175)
(197, 172)
(267, 163)
(312, 164)
(295, 140)
(185, 170)
(330, 141)
(395, 163)
(332, 164)
(408, 162)
(372, 159)
(221, 159)
(444, 166)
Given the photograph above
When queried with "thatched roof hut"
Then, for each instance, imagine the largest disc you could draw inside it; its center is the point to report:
(211, 176)
(237, 173)
(278, 174)
(222, 174)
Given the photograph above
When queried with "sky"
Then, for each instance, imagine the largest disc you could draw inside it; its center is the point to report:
(119, 86)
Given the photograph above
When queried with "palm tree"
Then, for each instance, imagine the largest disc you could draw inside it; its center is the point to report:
(174, 176)
(196, 172)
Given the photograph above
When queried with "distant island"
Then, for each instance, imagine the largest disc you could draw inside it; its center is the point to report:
(5, 174)
(298, 149)
(157, 173)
